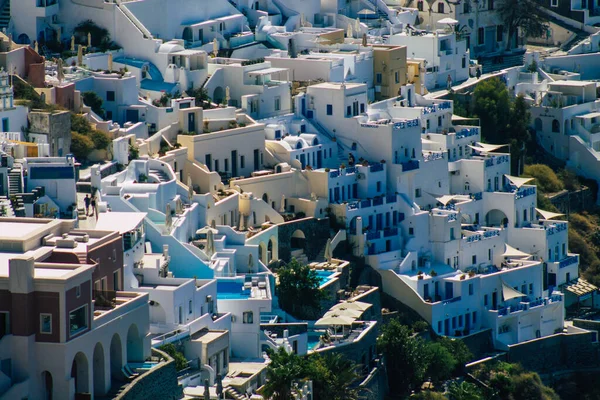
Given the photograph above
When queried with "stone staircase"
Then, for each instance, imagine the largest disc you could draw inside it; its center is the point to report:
(15, 184)
(161, 176)
(5, 15)
(299, 255)
(231, 393)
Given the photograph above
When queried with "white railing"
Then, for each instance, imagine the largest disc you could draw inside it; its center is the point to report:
(136, 22)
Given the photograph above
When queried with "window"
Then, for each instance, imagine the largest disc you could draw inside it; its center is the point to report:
(496, 183)
(480, 36)
(474, 316)
(226, 162)
(217, 165)
(248, 317)
(242, 162)
(499, 33)
(46, 324)
(329, 109)
(489, 185)
(531, 288)
(277, 103)
(553, 3)
(78, 320)
(555, 126)
(420, 5)
(417, 192)
(117, 280)
(439, 121)
(378, 78)
(110, 95)
(362, 108)
(190, 307)
(349, 111)
(474, 259)
(467, 186)
(411, 231)
(397, 76)
(470, 289)
(440, 8)
(428, 124)
(464, 62)
(490, 4)
(109, 115)
(466, 7)
(78, 291)
(485, 302)
(564, 249)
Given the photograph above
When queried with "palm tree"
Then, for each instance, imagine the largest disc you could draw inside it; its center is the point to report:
(284, 369)
(333, 377)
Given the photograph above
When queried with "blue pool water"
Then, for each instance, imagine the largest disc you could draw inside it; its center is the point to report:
(313, 340)
(229, 290)
(324, 276)
(144, 365)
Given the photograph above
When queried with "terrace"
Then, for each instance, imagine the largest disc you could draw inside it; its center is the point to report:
(109, 305)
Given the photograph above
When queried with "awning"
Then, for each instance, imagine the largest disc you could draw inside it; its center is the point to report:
(445, 199)
(352, 305)
(344, 312)
(266, 71)
(459, 118)
(448, 21)
(518, 181)
(581, 288)
(491, 147)
(511, 252)
(548, 214)
(509, 292)
(335, 319)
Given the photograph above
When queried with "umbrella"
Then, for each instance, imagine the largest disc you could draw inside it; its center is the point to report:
(448, 21)
(366, 11)
(242, 224)
(250, 263)
(344, 312)
(72, 43)
(59, 70)
(215, 46)
(213, 224)
(168, 218)
(205, 230)
(219, 385)
(89, 39)
(227, 95)
(206, 390)
(328, 251)
(349, 32)
(190, 188)
(352, 305)
(335, 319)
(210, 243)
(80, 55)
(110, 61)
(282, 205)
(357, 25)
(364, 40)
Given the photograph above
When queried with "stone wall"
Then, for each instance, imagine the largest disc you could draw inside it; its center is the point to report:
(561, 351)
(158, 383)
(316, 233)
(57, 128)
(375, 385)
(479, 343)
(362, 352)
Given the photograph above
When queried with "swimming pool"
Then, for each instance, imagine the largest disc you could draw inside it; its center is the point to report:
(324, 276)
(313, 340)
(231, 290)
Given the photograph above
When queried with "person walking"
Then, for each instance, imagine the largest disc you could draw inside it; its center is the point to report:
(86, 201)
(93, 204)
(478, 73)
(449, 82)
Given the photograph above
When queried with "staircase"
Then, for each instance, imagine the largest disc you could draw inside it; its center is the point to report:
(299, 255)
(231, 393)
(5, 15)
(15, 184)
(161, 176)
(498, 63)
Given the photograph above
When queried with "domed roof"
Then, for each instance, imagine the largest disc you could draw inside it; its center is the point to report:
(170, 47)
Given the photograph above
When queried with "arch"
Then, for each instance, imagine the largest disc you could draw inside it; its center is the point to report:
(187, 35)
(80, 372)
(23, 39)
(262, 252)
(218, 95)
(47, 386)
(496, 217)
(98, 370)
(273, 248)
(465, 219)
(298, 240)
(299, 144)
(135, 349)
(440, 7)
(555, 126)
(116, 356)
(538, 125)
(265, 198)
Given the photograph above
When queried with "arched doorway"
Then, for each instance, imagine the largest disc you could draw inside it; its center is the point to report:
(80, 372)
(116, 357)
(262, 253)
(135, 351)
(265, 198)
(218, 95)
(188, 35)
(538, 125)
(23, 39)
(555, 126)
(273, 248)
(48, 386)
(98, 370)
(496, 218)
(298, 240)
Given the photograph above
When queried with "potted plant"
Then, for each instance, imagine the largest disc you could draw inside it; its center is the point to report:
(433, 273)
(471, 273)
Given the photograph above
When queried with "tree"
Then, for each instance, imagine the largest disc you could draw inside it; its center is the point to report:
(492, 106)
(459, 351)
(464, 391)
(405, 355)
(428, 395)
(80, 124)
(180, 361)
(298, 290)
(332, 376)
(524, 15)
(92, 100)
(441, 362)
(283, 370)
(518, 132)
(81, 145)
(100, 139)
(545, 179)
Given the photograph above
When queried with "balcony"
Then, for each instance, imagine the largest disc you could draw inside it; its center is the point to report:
(109, 305)
(409, 165)
(568, 261)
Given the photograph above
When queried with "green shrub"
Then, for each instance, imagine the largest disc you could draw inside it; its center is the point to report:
(100, 139)
(81, 145)
(545, 178)
(180, 360)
